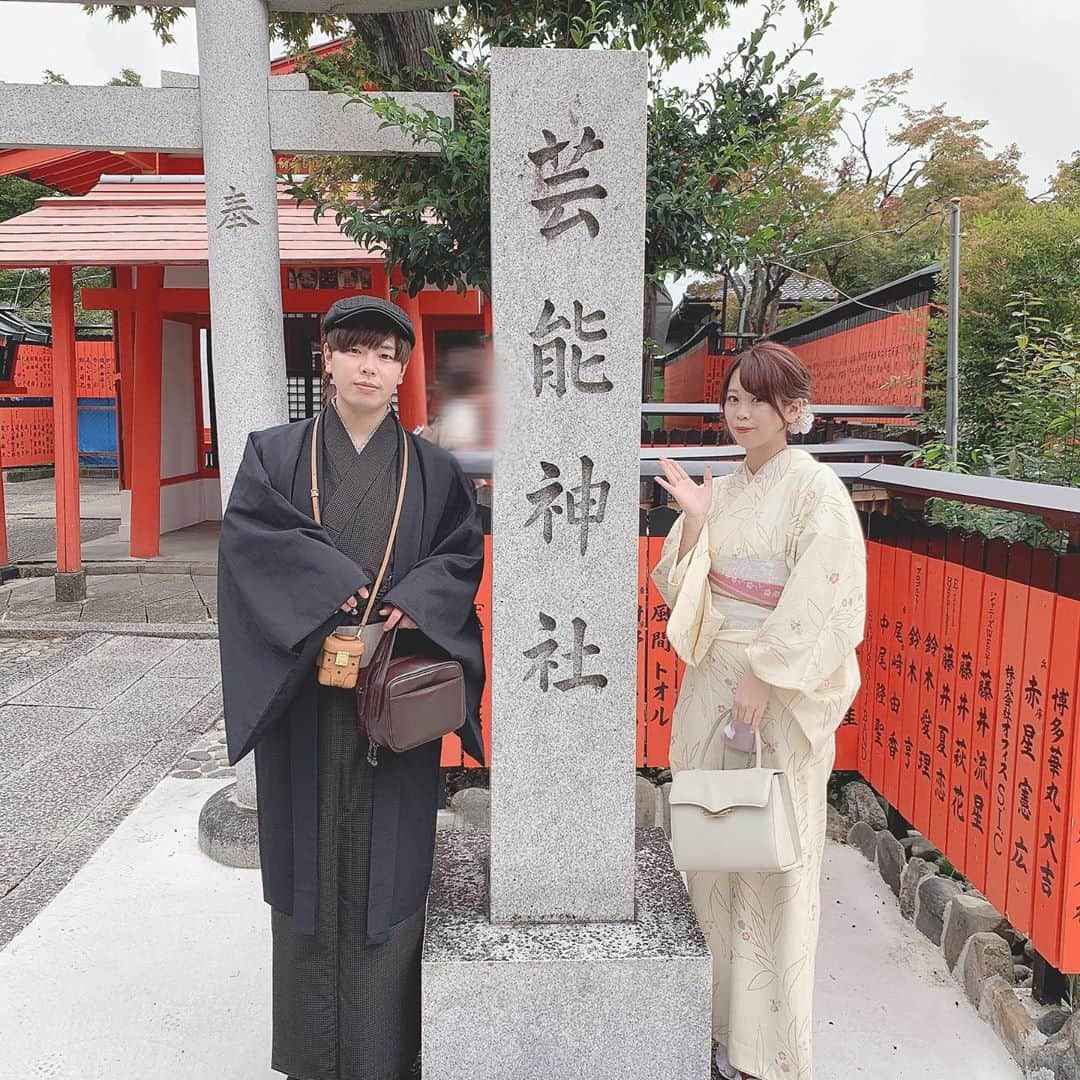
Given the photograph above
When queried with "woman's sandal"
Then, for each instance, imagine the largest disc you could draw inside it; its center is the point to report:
(725, 1068)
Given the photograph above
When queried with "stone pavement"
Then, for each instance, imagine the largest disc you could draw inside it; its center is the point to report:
(175, 592)
(31, 515)
(139, 595)
(208, 759)
(88, 724)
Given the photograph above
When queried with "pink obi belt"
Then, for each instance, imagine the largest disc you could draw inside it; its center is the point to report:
(748, 580)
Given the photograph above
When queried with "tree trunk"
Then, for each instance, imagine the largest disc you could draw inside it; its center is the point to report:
(757, 303)
(399, 40)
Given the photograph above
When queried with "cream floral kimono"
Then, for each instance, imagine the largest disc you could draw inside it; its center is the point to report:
(776, 580)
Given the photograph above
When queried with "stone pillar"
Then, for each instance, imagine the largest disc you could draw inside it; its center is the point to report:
(568, 244)
(563, 920)
(242, 228)
(242, 225)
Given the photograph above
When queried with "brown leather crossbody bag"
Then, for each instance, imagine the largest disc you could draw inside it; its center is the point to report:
(401, 702)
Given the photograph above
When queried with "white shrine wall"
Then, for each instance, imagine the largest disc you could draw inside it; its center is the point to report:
(179, 451)
(191, 501)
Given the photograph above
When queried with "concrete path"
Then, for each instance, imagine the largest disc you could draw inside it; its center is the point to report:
(158, 961)
(88, 725)
(886, 1006)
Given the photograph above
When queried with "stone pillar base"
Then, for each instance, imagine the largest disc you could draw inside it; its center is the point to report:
(229, 832)
(8, 573)
(607, 1001)
(70, 588)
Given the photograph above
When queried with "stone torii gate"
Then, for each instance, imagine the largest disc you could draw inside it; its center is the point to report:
(238, 117)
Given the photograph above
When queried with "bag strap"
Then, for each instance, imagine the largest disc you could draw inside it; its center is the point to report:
(315, 470)
(724, 715)
(397, 509)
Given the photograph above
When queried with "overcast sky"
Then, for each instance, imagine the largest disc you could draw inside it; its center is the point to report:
(1010, 62)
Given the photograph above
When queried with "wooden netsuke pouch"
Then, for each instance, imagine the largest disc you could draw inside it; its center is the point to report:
(339, 662)
(343, 651)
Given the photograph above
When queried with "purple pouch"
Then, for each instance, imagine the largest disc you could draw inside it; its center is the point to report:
(739, 736)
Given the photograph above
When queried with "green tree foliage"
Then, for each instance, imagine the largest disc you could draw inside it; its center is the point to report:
(431, 214)
(1019, 361)
(1065, 186)
(887, 217)
(17, 195)
(714, 151)
(1029, 256)
(293, 29)
(127, 77)
(874, 217)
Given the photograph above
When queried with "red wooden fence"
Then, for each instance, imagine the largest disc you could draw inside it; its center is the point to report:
(96, 369)
(878, 362)
(26, 436)
(26, 431)
(696, 375)
(966, 716)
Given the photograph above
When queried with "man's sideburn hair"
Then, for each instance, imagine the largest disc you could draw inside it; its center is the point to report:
(343, 338)
(771, 372)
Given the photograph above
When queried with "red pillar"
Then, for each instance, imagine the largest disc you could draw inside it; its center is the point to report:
(430, 374)
(485, 307)
(65, 422)
(124, 329)
(412, 393)
(146, 424)
(6, 571)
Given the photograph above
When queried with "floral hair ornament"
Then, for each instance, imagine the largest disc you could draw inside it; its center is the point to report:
(802, 423)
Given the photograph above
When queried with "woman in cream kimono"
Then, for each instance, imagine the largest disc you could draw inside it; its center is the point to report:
(765, 574)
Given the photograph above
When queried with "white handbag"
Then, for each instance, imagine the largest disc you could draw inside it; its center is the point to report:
(734, 820)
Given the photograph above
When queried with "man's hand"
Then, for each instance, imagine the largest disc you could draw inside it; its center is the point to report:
(751, 697)
(397, 617)
(351, 605)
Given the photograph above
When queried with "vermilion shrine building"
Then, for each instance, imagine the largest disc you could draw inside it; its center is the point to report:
(151, 231)
(143, 216)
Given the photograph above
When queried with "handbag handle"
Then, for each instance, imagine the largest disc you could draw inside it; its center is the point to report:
(397, 509)
(375, 672)
(716, 727)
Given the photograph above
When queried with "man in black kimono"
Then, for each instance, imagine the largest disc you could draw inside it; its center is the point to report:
(346, 846)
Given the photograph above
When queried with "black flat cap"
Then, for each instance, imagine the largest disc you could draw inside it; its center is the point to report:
(369, 311)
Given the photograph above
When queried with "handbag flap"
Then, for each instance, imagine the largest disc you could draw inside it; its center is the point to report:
(715, 790)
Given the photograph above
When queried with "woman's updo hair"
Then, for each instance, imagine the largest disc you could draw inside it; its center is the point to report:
(771, 372)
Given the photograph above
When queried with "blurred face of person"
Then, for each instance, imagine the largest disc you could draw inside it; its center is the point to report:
(365, 376)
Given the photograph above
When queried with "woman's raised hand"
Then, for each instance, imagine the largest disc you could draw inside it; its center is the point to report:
(694, 498)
